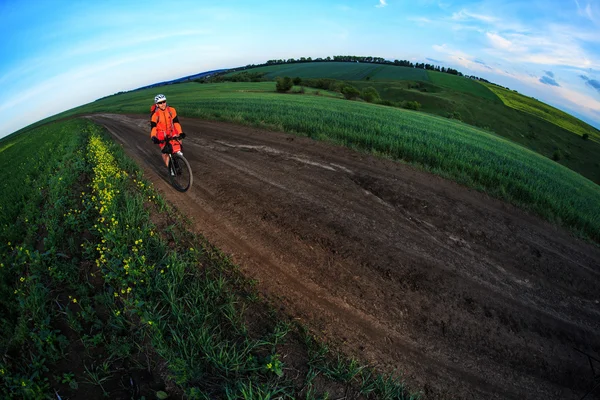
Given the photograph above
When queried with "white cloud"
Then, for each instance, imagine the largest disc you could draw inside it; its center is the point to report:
(420, 20)
(542, 42)
(587, 11)
(464, 15)
(382, 3)
(456, 55)
(555, 47)
(499, 42)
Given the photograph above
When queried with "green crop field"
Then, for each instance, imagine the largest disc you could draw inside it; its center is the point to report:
(544, 111)
(342, 71)
(457, 151)
(94, 294)
(462, 84)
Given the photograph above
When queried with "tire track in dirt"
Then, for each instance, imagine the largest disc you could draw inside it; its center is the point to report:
(465, 295)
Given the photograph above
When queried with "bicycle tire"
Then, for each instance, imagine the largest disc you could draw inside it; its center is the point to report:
(182, 178)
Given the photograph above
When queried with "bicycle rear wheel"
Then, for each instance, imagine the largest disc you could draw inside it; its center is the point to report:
(182, 178)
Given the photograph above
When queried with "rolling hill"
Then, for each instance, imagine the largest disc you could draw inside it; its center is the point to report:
(521, 119)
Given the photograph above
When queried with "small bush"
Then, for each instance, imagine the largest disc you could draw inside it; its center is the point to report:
(349, 92)
(585, 136)
(411, 105)
(454, 115)
(284, 84)
(297, 81)
(370, 95)
(321, 83)
(557, 155)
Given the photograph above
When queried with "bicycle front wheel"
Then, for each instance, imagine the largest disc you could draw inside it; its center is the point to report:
(181, 178)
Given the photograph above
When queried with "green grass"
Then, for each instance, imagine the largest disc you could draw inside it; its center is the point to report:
(544, 111)
(85, 271)
(454, 150)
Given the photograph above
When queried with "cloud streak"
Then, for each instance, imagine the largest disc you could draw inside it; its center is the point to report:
(382, 3)
(546, 80)
(594, 84)
(464, 15)
(514, 38)
(586, 11)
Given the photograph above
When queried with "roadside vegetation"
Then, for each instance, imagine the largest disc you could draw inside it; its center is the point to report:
(105, 293)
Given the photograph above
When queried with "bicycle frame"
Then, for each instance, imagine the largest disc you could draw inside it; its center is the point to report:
(180, 172)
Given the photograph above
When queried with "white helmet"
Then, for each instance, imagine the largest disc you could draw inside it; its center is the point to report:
(159, 97)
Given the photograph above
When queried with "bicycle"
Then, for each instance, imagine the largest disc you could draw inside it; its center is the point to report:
(180, 172)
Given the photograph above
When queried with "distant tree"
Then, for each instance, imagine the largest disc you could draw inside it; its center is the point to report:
(284, 84)
(297, 80)
(585, 136)
(350, 92)
(370, 95)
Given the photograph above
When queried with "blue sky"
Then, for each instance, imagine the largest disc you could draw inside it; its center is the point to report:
(57, 55)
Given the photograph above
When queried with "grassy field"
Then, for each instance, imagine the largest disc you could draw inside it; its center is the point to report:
(94, 294)
(536, 134)
(544, 111)
(457, 151)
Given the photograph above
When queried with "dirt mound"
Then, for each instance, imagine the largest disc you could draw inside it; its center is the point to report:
(464, 295)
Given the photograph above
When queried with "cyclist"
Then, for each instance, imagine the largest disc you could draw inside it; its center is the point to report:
(164, 123)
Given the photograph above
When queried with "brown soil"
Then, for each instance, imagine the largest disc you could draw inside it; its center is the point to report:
(465, 296)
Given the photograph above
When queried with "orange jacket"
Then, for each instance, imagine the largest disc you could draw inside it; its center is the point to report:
(165, 123)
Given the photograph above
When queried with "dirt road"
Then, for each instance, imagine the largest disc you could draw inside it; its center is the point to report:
(464, 295)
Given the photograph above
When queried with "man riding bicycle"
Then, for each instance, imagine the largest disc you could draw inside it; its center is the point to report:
(164, 123)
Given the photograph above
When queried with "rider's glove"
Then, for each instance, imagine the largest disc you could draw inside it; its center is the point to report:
(182, 135)
(155, 140)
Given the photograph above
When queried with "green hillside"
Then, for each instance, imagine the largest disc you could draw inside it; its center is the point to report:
(528, 122)
(461, 84)
(473, 157)
(544, 111)
(342, 71)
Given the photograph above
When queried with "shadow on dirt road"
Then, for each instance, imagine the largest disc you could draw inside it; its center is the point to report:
(466, 296)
